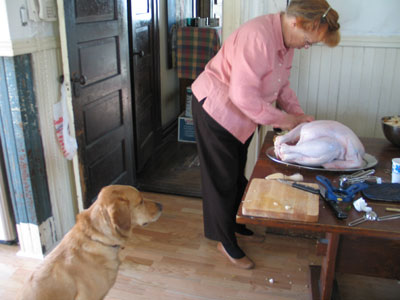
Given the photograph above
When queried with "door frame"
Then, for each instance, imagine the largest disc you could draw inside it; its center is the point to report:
(157, 69)
(68, 86)
(158, 132)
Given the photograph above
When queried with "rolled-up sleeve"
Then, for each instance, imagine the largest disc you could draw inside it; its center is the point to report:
(288, 101)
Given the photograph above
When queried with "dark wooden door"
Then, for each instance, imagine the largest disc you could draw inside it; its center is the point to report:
(144, 41)
(97, 36)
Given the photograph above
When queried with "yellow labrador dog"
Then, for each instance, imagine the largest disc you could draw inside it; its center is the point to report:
(85, 263)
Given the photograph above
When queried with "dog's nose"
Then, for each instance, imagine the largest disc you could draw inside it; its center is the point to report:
(159, 205)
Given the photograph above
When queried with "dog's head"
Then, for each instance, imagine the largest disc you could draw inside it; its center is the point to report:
(119, 208)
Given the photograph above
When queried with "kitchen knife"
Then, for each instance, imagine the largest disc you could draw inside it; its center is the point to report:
(300, 186)
(340, 214)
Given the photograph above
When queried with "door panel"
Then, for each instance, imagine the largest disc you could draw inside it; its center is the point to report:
(99, 59)
(93, 154)
(110, 168)
(96, 125)
(97, 34)
(145, 76)
(89, 11)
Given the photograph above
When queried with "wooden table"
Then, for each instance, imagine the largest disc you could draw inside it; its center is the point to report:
(371, 248)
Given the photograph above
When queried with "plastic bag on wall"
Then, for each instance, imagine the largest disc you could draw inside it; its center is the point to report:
(61, 122)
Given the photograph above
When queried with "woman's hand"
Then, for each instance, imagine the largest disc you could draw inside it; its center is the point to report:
(291, 121)
(305, 118)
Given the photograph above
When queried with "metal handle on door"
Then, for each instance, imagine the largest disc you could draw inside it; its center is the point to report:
(82, 79)
(77, 82)
(138, 53)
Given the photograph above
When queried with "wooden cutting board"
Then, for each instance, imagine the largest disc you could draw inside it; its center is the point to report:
(276, 200)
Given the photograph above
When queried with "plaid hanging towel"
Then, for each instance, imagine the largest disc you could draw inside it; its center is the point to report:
(195, 47)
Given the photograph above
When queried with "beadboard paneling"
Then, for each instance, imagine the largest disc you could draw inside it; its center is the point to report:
(46, 68)
(351, 84)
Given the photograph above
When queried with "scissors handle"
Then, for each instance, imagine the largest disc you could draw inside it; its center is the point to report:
(355, 188)
(329, 189)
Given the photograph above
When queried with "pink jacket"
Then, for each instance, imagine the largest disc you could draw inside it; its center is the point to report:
(248, 74)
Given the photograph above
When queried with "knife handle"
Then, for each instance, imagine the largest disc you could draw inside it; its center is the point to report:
(338, 211)
(305, 188)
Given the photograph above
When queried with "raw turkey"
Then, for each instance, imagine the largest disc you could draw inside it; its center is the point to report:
(325, 143)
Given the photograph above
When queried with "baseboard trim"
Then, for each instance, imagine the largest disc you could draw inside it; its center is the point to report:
(169, 128)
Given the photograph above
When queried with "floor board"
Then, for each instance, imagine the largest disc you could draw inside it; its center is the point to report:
(170, 259)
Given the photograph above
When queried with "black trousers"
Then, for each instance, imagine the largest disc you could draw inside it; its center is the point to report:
(222, 163)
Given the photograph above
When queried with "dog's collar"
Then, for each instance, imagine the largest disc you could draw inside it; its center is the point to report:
(116, 246)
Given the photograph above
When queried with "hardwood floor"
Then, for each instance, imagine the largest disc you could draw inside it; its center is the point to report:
(170, 259)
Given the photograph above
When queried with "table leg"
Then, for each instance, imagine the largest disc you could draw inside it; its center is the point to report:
(328, 266)
(323, 278)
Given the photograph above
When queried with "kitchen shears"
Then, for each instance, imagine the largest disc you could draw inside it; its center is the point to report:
(334, 195)
(340, 195)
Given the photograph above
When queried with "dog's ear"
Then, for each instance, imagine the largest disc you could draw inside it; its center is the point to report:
(121, 216)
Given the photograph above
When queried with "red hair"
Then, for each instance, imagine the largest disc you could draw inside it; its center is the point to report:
(317, 15)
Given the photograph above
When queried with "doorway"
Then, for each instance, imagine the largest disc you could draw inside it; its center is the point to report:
(175, 167)
(144, 53)
(148, 156)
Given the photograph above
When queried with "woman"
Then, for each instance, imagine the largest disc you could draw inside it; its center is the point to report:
(235, 93)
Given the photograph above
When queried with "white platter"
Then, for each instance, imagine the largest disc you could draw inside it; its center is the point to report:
(369, 162)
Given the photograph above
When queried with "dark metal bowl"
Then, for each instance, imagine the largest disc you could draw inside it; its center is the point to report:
(392, 133)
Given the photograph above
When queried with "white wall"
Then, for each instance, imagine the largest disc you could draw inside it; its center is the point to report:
(368, 17)
(356, 17)
(16, 38)
(4, 30)
(33, 29)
